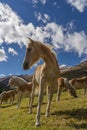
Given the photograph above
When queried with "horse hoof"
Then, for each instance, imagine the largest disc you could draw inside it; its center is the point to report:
(76, 96)
(57, 99)
(17, 107)
(30, 112)
(37, 124)
(47, 115)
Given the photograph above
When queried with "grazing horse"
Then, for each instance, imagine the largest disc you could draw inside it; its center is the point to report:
(79, 83)
(45, 74)
(23, 87)
(63, 83)
(5, 95)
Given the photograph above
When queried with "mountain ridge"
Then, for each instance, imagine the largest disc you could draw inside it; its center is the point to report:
(69, 72)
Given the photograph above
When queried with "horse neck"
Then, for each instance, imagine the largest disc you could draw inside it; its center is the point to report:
(48, 57)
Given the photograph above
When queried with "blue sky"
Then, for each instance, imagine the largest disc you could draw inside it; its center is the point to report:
(61, 23)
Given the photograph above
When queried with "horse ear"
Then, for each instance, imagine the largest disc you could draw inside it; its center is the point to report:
(30, 39)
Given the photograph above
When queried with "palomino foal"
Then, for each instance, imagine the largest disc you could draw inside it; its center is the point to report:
(45, 74)
(23, 87)
(63, 83)
(79, 83)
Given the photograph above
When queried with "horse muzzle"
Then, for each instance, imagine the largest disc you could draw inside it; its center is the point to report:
(25, 65)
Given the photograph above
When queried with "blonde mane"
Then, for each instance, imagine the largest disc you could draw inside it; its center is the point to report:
(50, 47)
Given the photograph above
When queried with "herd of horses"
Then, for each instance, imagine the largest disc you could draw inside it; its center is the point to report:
(46, 79)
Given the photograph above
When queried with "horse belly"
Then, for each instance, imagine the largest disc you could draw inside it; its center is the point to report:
(26, 93)
(79, 85)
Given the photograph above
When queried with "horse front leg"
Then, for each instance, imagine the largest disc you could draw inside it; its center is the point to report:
(19, 99)
(1, 102)
(85, 91)
(40, 99)
(12, 99)
(50, 95)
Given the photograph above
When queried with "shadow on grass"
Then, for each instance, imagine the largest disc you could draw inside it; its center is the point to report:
(75, 113)
(35, 105)
(8, 105)
(79, 126)
(79, 114)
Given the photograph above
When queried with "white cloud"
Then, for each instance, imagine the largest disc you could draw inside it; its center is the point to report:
(84, 59)
(43, 18)
(12, 51)
(3, 56)
(2, 75)
(56, 4)
(55, 32)
(35, 2)
(80, 5)
(77, 42)
(43, 2)
(11, 26)
(12, 30)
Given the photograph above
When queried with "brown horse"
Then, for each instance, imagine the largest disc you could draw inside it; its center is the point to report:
(63, 83)
(23, 87)
(5, 95)
(79, 83)
(45, 74)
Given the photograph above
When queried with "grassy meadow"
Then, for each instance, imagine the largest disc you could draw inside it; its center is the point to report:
(67, 114)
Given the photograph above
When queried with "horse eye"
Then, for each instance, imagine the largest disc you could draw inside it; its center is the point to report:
(29, 49)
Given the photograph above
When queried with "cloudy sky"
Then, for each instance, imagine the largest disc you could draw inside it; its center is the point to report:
(61, 23)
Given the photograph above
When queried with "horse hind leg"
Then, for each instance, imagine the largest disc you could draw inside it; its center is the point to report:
(10, 100)
(32, 97)
(59, 93)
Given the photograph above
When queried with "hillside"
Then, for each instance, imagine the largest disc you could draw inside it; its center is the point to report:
(68, 72)
(75, 71)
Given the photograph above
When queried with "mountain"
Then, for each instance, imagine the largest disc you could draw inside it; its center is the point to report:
(68, 72)
(75, 71)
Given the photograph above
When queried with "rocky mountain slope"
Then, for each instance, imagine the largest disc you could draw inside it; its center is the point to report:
(75, 71)
(68, 72)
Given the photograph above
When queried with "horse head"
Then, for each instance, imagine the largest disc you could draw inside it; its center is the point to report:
(32, 54)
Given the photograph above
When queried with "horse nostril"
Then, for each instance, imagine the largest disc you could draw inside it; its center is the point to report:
(25, 65)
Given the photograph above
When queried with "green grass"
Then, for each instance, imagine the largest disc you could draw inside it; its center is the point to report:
(67, 114)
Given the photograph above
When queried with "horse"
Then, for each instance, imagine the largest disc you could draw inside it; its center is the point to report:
(45, 74)
(5, 95)
(22, 86)
(63, 83)
(79, 83)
